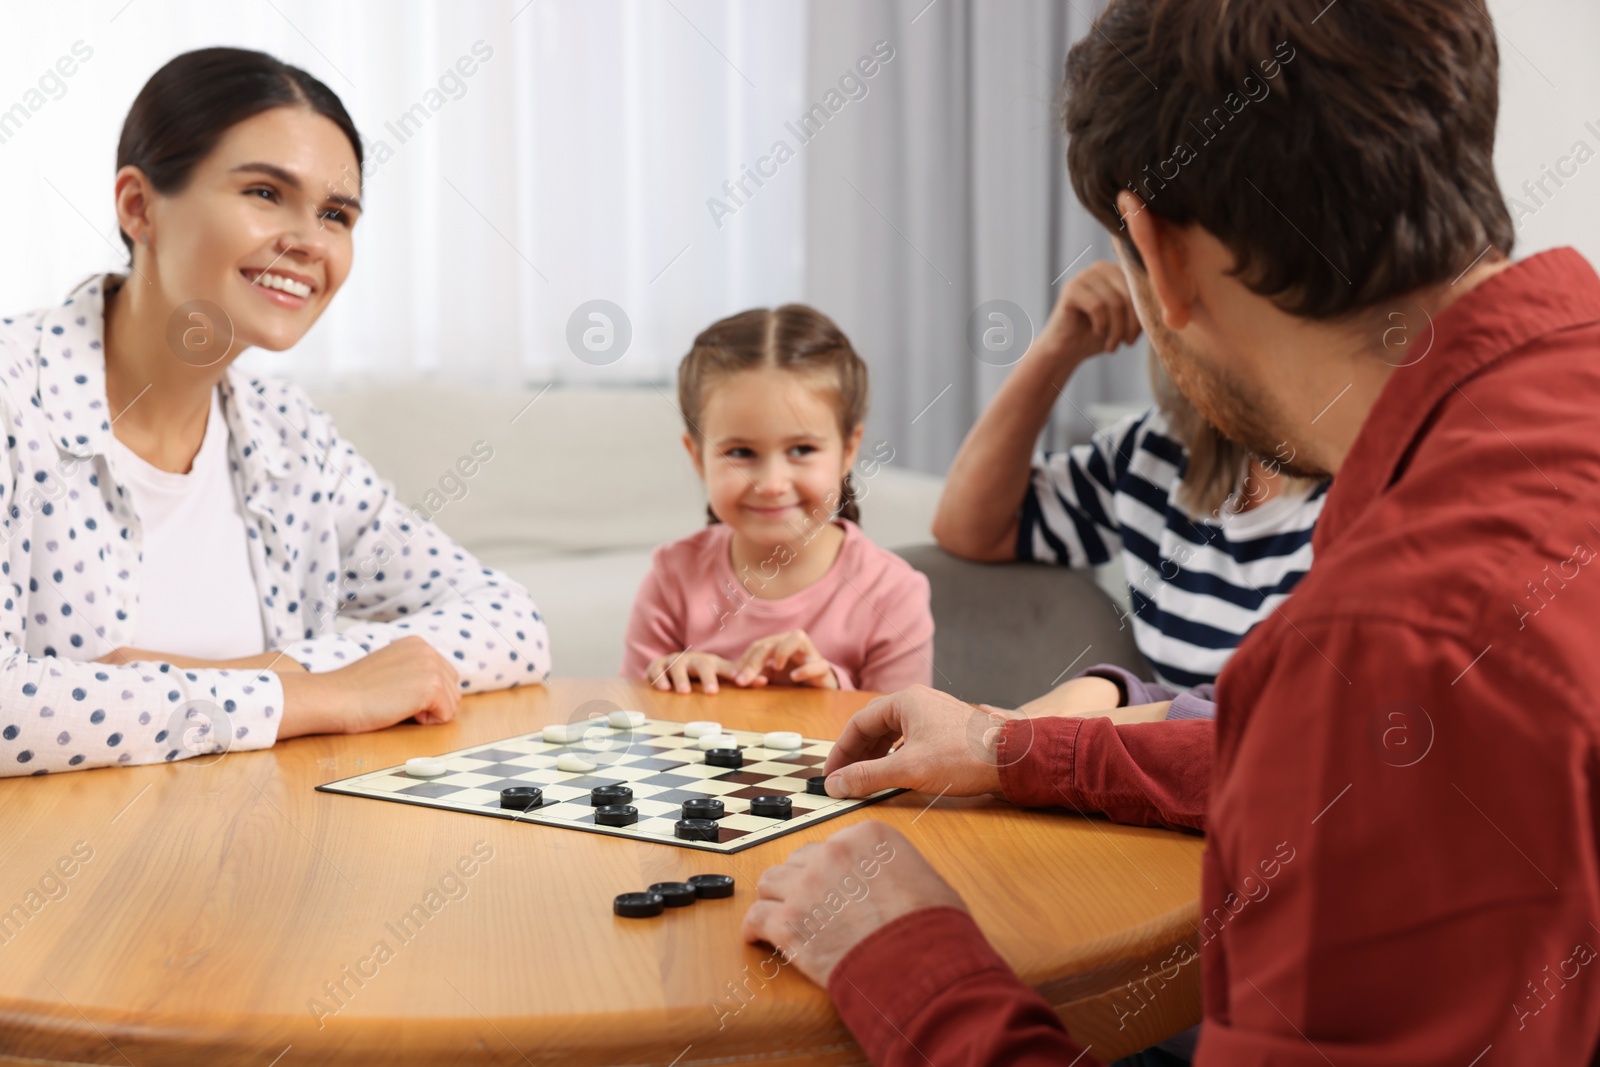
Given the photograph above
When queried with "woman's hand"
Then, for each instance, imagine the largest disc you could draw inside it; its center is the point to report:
(404, 680)
(678, 670)
(769, 659)
(266, 661)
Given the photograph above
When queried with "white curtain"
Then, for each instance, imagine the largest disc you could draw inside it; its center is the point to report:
(629, 151)
(573, 165)
(946, 192)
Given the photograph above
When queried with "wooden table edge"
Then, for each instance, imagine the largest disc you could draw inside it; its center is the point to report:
(1158, 988)
(1086, 1006)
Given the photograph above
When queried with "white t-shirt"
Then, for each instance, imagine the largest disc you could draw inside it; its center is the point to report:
(197, 594)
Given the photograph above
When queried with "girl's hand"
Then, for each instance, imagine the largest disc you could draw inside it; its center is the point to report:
(770, 658)
(675, 671)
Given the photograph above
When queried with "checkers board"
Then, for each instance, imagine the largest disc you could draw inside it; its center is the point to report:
(662, 766)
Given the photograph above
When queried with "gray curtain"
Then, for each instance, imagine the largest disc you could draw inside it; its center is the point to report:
(946, 188)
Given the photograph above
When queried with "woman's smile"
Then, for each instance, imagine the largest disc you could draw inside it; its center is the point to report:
(285, 288)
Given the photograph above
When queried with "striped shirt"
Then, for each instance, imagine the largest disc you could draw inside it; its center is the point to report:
(1197, 584)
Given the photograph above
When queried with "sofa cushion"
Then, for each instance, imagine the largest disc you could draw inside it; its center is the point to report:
(1005, 633)
(568, 490)
(568, 470)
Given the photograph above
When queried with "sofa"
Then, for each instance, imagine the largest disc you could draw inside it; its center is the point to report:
(568, 489)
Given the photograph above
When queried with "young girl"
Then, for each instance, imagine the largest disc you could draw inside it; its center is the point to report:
(781, 587)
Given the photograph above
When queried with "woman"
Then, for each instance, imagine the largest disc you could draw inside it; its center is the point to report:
(178, 537)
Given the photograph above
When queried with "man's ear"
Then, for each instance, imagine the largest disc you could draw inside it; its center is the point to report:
(692, 446)
(1166, 258)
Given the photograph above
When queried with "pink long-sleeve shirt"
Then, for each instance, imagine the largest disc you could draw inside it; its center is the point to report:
(869, 614)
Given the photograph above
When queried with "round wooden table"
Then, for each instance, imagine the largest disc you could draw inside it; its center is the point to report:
(228, 913)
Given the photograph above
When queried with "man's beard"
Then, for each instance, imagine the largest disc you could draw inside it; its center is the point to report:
(1240, 411)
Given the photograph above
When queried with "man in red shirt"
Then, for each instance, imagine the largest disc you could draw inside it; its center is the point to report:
(1410, 748)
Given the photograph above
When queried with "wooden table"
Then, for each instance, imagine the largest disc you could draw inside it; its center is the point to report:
(211, 908)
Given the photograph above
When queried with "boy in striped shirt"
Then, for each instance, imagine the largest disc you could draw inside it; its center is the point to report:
(1211, 538)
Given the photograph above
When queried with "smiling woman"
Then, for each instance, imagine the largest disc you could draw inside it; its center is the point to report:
(178, 537)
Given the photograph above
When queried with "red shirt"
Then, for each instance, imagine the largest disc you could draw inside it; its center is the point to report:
(1403, 863)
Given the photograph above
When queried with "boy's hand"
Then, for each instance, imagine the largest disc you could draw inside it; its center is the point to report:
(789, 657)
(1132, 713)
(677, 671)
(1085, 695)
(1093, 314)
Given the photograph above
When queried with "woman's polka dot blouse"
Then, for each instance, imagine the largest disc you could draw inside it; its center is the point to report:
(328, 540)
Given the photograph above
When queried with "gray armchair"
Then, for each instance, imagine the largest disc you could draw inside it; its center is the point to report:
(1006, 632)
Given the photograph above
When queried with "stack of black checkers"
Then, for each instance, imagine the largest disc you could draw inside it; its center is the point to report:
(612, 805)
(665, 895)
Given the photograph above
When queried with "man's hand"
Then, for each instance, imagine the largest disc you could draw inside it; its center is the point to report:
(830, 895)
(1094, 313)
(770, 658)
(949, 747)
(678, 671)
(403, 680)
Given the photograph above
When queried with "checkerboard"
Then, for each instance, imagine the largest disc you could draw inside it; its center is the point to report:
(662, 766)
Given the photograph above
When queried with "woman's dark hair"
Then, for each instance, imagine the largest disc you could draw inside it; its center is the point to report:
(1344, 153)
(187, 105)
(794, 338)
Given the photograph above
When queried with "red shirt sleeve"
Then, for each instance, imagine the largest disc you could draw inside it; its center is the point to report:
(1141, 774)
(927, 988)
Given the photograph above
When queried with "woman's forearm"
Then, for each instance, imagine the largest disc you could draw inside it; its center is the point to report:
(266, 661)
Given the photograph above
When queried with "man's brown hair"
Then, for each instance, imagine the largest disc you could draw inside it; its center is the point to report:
(1343, 152)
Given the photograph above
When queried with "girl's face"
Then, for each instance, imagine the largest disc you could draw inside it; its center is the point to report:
(262, 229)
(772, 459)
